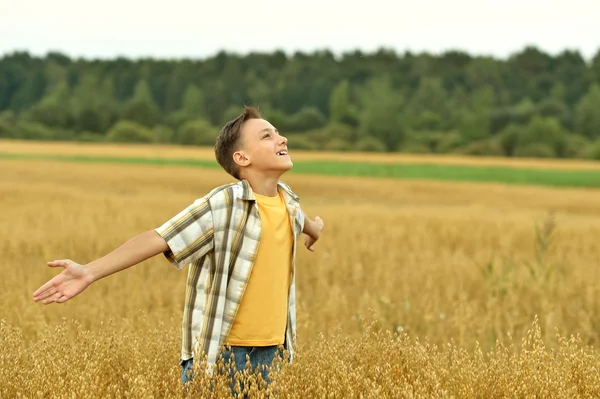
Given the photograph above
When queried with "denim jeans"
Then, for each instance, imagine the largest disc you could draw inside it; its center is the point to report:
(259, 356)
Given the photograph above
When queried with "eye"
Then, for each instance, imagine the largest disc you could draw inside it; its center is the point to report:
(266, 135)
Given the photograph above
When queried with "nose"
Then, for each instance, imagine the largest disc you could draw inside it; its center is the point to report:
(284, 139)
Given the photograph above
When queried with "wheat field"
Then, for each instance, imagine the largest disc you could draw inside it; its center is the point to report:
(416, 289)
(206, 153)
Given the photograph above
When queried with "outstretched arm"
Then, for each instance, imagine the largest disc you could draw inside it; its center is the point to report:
(75, 278)
(313, 230)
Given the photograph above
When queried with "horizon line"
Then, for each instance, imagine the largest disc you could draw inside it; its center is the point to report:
(290, 53)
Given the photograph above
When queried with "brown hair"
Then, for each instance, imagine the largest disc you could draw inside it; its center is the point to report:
(229, 138)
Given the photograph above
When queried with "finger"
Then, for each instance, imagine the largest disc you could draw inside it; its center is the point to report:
(48, 300)
(44, 294)
(59, 263)
(53, 298)
(62, 299)
(44, 288)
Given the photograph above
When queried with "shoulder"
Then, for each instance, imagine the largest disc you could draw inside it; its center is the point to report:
(289, 190)
(226, 191)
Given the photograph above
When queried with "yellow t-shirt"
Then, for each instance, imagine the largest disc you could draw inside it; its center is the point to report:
(262, 315)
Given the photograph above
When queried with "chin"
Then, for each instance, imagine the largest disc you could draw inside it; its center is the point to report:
(285, 168)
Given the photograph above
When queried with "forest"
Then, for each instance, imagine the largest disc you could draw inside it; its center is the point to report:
(531, 104)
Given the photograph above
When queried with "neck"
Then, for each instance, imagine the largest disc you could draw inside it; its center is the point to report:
(263, 185)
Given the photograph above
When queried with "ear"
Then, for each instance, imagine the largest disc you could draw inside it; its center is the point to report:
(241, 158)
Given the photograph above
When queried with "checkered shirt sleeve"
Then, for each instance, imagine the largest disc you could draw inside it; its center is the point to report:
(189, 234)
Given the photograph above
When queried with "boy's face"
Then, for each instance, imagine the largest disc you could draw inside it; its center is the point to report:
(262, 148)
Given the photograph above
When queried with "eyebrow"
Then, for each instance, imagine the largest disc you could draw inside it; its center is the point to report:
(268, 129)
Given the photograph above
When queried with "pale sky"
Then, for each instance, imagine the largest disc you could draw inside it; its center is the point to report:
(197, 29)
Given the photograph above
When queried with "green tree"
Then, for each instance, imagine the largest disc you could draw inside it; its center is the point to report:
(129, 132)
(453, 98)
(20, 90)
(218, 104)
(53, 109)
(427, 120)
(193, 106)
(339, 102)
(500, 118)
(523, 111)
(56, 74)
(587, 113)
(484, 71)
(278, 119)
(594, 152)
(92, 105)
(193, 103)
(429, 103)
(232, 78)
(231, 113)
(595, 68)
(337, 145)
(141, 108)
(546, 131)
(559, 91)
(177, 83)
(307, 118)
(370, 144)
(510, 137)
(8, 122)
(382, 113)
(529, 74)
(484, 147)
(342, 132)
(302, 142)
(452, 67)
(29, 130)
(571, 71)
(535, 150)
(577, 146)
(163, 134)
(552, 107)
(197, 132)
(475, 122)
(258, 91)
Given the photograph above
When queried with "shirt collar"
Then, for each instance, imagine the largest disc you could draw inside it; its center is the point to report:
(248, 194)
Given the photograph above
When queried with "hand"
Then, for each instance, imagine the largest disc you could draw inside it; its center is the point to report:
(71, 281)
(314, 233)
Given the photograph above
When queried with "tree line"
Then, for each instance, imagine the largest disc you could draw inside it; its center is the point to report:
(529, 104)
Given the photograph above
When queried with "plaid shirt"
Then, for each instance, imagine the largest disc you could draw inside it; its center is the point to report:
(218, 236)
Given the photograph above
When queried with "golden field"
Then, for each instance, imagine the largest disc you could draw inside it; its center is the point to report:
(416, 289)
(206, 153)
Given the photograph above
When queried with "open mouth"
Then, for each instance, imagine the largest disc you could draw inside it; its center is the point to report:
(282, 153)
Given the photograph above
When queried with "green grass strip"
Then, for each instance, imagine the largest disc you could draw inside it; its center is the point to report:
(508, 175)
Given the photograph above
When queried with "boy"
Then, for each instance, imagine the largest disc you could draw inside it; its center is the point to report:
(240, 242)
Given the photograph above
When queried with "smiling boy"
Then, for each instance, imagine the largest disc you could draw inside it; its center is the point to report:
(239, 241)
